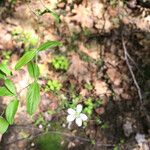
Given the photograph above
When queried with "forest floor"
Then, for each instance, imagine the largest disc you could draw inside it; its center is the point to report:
(107, 47)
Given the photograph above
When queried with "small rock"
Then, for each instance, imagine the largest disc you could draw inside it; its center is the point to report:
(127, 127)
(142, 142)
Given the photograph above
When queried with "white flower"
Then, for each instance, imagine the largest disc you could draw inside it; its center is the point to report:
(76, 115)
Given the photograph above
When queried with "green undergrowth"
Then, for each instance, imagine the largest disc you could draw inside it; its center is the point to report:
(49, 141)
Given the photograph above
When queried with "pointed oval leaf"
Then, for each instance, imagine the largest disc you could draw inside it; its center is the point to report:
(48, 44)
(33, 70)
(33, 97)
(28, 56)
(3, 125)
(2, 75)
(5, 92)
(11, 111)
(4, 68)
(10, 86)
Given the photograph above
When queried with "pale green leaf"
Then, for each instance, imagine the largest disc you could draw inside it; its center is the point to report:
(10, 86)
(3, 125)
(33, 70)
(5, 92)
(11, 111)
(33, 97)
(48, 44)
(4, 68)
(28, 56)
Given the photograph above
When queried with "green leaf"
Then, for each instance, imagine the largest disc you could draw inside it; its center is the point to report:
(48, 44)
(5, 92)
(28, 56)
(3, 125)
(33, 97)
(11, 111)
(2, 75)
(10, 86)
(4, 68)
(33, 70)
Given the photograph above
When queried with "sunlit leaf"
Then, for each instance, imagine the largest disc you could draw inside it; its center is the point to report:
(4, 68)
(28, 56)
(49, 44)
(33, 70)
(10, 86)
(3, 125)
(33, 97)
(5, 92)
(11, 111)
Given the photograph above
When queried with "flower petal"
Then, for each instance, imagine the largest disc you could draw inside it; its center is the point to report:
(70, 118)
(79, 122)
(79, 108)
(71, 111)
(83, 117)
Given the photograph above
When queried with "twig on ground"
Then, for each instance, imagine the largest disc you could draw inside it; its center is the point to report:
(131, 71)
(135, 64)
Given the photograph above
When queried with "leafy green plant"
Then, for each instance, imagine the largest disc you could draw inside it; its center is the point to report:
(33, 89)
(53, 85)
(28, 38)
(89, 106)
(60, 63)
(40, 120)
(50, 141)
(6, 56)
(88, 86)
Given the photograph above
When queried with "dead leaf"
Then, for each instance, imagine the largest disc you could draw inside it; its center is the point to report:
(100, 110)
(114, 76)
(93, 51)
(79, 69)
(101, 87)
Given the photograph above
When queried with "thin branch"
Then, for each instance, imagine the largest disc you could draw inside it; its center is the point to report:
(134, 64)
(131, 71)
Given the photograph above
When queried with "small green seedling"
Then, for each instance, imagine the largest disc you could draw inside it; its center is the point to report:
(88, 86)
(53, 85)
(40, 121)
(89, 106)
(6, 56)
(28, 38)
(33, 89)
(60, 63)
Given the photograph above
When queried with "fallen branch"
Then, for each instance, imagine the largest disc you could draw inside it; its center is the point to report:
(131, 71)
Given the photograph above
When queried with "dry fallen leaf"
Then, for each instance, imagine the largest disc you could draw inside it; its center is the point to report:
(101, 87)
(100, 110)
(79, 69)
(114, 76)
(93, 51)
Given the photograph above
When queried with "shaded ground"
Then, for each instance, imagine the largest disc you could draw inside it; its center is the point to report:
(92, 34)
